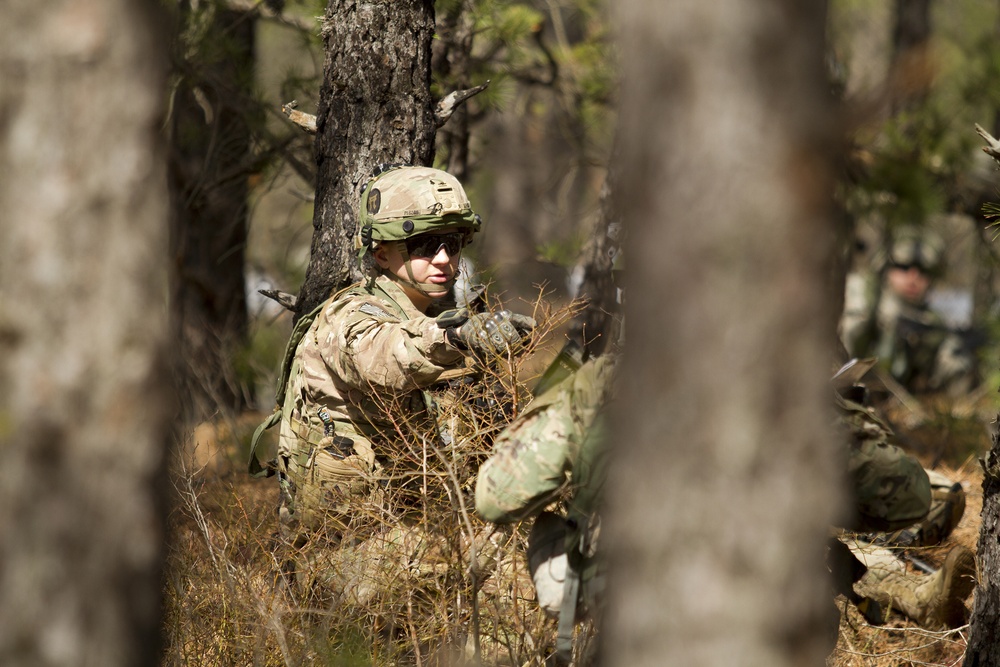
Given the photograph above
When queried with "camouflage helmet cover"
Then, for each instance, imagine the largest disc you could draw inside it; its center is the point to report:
(406, 201)
(920, 249)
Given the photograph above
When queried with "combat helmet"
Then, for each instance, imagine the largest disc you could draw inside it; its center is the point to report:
(921, 249)
(399, 202)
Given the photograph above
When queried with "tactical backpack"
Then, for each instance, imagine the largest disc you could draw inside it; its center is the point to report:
(255, 468)
(289, 369)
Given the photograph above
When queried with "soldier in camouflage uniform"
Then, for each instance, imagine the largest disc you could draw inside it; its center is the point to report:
(553, 452)
(363, 366)
(898, 505)
(888, 316)
(553, 457)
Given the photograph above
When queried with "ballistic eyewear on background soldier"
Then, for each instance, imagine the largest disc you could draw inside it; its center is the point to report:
(429, 245)
(912, 265)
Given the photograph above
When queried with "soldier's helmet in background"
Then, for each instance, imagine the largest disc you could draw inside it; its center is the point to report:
(917, 248)
(399, 202)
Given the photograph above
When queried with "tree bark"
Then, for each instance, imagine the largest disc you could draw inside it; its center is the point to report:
(597, 286)
(375, 107)
(210, 165)
(984, 635)
(84, 386)
(723, 487)
(911, 70)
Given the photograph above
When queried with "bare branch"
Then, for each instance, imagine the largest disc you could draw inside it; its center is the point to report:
(993, 149)
(306, 121)
(446, 107)
(287, 300)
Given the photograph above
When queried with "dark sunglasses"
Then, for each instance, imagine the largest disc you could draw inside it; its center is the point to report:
(429, 245)
(907, 267)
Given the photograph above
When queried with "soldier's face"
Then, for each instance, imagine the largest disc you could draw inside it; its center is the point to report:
(435, 264)
(910, 283)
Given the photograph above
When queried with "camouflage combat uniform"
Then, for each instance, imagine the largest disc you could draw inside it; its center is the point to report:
(554, 451)
(369, 354)
(911, 341)
(899, 505)
(362, 389)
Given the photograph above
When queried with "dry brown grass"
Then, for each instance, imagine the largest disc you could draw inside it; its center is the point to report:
(228, 604)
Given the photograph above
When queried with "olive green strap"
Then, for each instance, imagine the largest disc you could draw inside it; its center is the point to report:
(255, 468)
(567, 612)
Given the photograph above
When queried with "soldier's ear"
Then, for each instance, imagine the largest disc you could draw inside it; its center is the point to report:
(379, 255)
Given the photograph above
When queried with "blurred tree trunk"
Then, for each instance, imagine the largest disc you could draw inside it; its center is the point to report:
(725, 482)
(910, 70)
(86, 391)
(984, 635)
(375, 107)
(210, 164)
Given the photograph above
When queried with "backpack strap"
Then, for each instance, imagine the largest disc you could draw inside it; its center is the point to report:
(255, 468)
(567, 612)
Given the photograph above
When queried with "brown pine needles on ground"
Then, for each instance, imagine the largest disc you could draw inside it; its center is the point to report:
(226, 602)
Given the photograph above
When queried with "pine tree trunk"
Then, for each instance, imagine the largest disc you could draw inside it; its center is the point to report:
(911, 69)
(984, 635)
(84, 388)
(592, 327)
(375, 107)
(725, 479)
(210, 165)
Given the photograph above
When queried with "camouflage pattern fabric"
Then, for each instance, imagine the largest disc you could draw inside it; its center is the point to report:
(554, 450)
(911, 341)
(531, 460)
(368, 355)
(892, 490)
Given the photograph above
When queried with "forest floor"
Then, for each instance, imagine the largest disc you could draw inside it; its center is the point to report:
(952, 445)
(224, 605)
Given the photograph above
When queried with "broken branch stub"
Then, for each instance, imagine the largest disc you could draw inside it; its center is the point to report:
(446, 107)
(993, 147)
(306, 121)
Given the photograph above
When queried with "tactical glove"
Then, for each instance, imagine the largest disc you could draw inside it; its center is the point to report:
(487, 334)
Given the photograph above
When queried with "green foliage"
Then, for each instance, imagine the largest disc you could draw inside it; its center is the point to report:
(561, 253)
(512, 24)
(918, 156)
(523, 48)
(256, 361)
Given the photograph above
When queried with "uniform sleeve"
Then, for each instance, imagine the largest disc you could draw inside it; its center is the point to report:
(366, 345)
(529, 466)
(533, 458)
